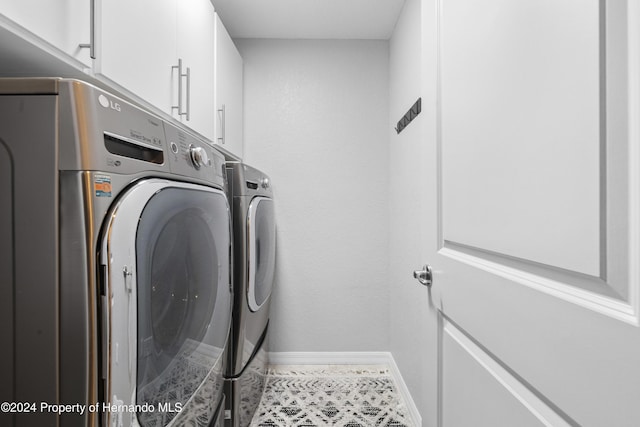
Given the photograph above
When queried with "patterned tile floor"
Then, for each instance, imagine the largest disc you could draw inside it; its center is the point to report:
(331, 395)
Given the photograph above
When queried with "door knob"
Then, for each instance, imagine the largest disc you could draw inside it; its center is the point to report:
(424, 276)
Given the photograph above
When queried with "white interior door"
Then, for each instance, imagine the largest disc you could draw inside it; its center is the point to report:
(537, 268)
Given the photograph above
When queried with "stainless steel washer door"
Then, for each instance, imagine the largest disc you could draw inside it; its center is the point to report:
(261, 241)
(167, 251)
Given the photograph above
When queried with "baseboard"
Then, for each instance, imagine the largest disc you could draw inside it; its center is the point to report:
(329, 358)
(351, 358)
(404, 392)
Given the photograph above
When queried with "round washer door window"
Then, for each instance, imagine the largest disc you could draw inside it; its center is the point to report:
(182, 263)
(261, 238)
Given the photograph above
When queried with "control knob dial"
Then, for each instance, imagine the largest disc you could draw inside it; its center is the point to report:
(199, 156)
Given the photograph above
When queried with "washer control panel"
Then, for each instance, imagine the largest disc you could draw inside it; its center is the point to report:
(191, 156)
(115, 136)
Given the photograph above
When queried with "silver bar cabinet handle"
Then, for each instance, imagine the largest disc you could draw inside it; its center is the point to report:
(179, 106)
(222, 112)
(188, 112)
(92, 31)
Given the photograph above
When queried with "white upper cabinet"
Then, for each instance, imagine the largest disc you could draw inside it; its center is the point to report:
(63, 24)
(196, 42)
(165, 58)
(228, 92)
(136, 51)
(173, 55)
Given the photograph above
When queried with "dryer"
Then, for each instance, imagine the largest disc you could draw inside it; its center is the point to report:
(115, 263)
(254, 255)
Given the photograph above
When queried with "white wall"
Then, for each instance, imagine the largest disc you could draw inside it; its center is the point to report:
(412, 323)
(316, 120)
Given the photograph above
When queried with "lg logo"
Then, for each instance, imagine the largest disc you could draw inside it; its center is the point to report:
(107, 103)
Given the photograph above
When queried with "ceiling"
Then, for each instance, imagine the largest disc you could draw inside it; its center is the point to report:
(309, 19)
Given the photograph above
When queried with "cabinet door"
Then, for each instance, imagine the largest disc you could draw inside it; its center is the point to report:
(64, 24)
(228, 90)
(196, 48)
(137, 48)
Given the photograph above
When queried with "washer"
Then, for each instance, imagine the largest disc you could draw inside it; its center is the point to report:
(254, 238)
(115, 269)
